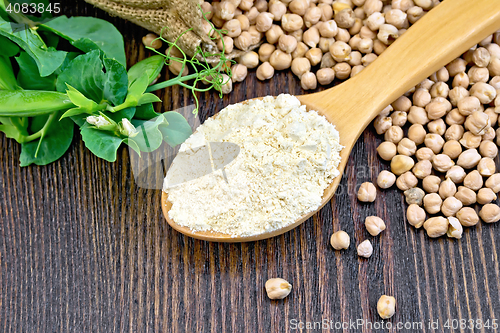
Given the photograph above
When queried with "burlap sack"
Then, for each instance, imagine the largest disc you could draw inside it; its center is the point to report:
(172, 17)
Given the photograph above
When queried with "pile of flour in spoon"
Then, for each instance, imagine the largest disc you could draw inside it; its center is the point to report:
(288, 156)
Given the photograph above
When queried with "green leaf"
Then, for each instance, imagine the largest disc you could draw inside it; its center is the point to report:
(47, 59)
(102, 33)
(146, 112)
(7, 78)
(148, 98)
(103, 144)
(84, 105)
(9, 49)
(118, 116)
(151, 66)
(149, 137)
(116, 81)
(14, 128)
(177, 130)
(30, 103)
(132, 144)
(29, 77)
(53, 145)
(85, 74)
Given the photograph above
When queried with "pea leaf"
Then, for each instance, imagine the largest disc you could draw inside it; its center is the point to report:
(47, 59)
(102, 33)
(146, 112)
(125, 113)
(103, 144)
(7, 78)
(177, 131)
(149, 137)
(85, 74)
(9, 49)
(84, 105)
(55, 143)
(28, 76)
(151, 66)
(14, 127)
(116, 81)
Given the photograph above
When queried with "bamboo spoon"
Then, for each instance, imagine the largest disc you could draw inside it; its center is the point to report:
(440, 36)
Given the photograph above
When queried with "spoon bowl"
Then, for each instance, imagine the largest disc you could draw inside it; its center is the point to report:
(440, 36)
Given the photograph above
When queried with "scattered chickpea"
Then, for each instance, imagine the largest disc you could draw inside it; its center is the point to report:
(308, 81)
(467, 217)
(374, 225)
(456, 174)
(291, 22)
(407, 147)
(469, 159)
(486, 167)
(273, 35)
(415, 215)
(451, 206)
(414, 196)
(422, 169)
(342, 70)
(340, 240)
(488, 149)
(436, 226)
(454, 132)
(367, 192)
(493, 182)
(394, 134)
(455, 229)
(311, 37)
(431, 184)
(265, 51)
(490, 213)
(470, 140)
(249, 59)
(300, 66)
(432, 203)
(401, 164)
(485, 195)
(287, 43)
(478, 123)
(382, 124)
(442, 162)
(278, 288)
(325, 76)
(365, 249)
(239, 72)
(152, 40)
(386, 179)
(416, 133)
(424, 153)
(466, 195)
(406, 181)
(386, 306)
(435, 142)
(265, 71)
(243, 41)
(300, 51)
(314, 56)
(280, 60)
(447, 188)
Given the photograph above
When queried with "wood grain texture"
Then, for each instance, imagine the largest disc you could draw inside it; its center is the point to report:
(83, 249)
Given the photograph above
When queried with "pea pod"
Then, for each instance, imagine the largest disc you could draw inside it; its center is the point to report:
(151, 66)
(30, 103)
(7, 78)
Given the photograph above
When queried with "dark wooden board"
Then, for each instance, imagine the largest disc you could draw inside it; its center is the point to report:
(83, 249)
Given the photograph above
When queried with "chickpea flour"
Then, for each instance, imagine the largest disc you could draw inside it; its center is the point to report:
(288, 157)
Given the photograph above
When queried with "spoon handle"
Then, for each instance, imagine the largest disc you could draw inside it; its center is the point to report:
(440, 36)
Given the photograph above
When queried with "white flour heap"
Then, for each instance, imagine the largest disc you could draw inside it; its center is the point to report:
(288, 157)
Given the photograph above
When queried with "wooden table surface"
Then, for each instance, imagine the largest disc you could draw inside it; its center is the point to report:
(83, 249)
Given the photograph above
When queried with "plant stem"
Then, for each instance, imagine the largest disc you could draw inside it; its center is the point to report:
(42, 131)
(171, 82)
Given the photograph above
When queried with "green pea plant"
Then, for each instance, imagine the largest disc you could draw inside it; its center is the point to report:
(72, 71)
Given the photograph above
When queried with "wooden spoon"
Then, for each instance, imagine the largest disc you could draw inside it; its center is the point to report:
(440, 36)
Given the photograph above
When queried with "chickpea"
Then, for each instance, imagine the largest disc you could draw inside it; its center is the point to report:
(278, 288)
(421, 97)
(401, 164)
(416, 133)
(328, 29)
(484, 92)
(436, 226)
(255, 35)
(414, 195)
(355, 60)
(455, 229)
(227, 46)
(345, 18)
(493, 117)
(490, 213)
(311, 37)
(488, 149)
(265, 51)
(300, 51)
(437, 126)
(394, 134)
(308, 81)
(486, 167)
(415, 215)
(356, 28)
(478, 123)
(374, 225)
(243, 41)
(249, 59)
(312, 16)
(469, 159)
(470, 140)
(280, 60)
(278, 9)
(314, 55)
(378, 47)
(368, 59)
(244, 22)
(386, 306)
(298, 7)
(246, 5)
(452, 149)
(273, 34)
(437, 108)
(434, 142)
(225, 10)
(300, 66)
(324, 44)
(342, 70)
(291, 22)
(494, 66)
(424, 153)
(456, 66)
(458, 93)
(327, 61)
(261, 5)
(432, 203)
(493, 182)
(206, 8)
(386, 111)
(265, 71)
(340, 51)
(233, 28)
(340, 240)
(406, 181)
(399, 118)
(298, 34)
(454, 132)
(365, 45)
(326, 12)
(396, 17)
(227, 85)
(175, 66)
(447, 189)
(343, 35)
(485, 196)
(478, 74)
(417, 115)
(467, 217)
(422, 169)
(385, 179)
(456, 174)
(473, 180)
(152, 40)
(466, 195)
(451, 206)
(407, 147)
(372, 6)
(414, 14)
(460, 80)
(468, 104)
(442, 162)
(387, 34)
(325, 76)
(367, 192)
(387, 150)
(239, 72)
(441, 75)
(365, 249)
